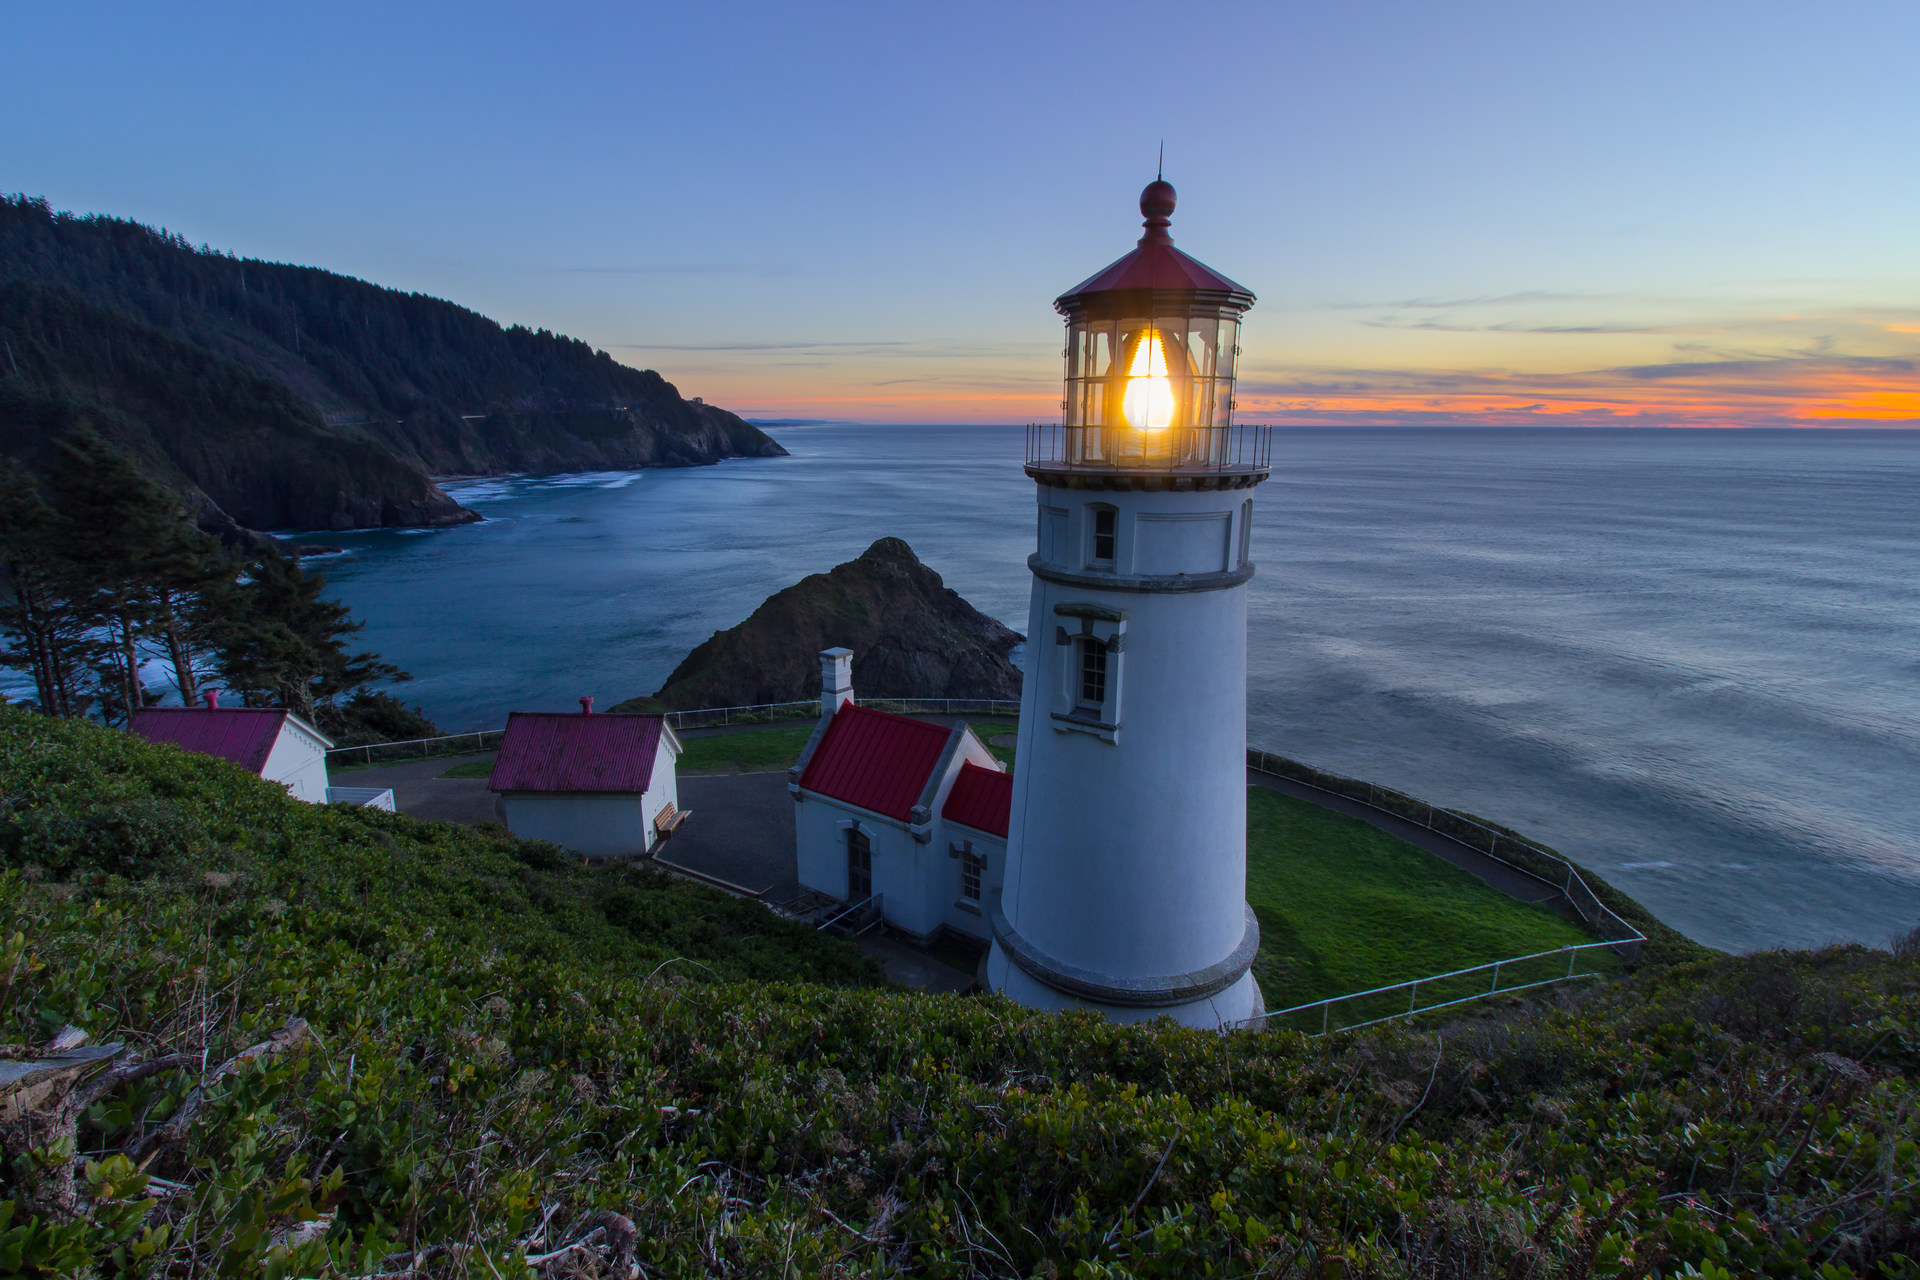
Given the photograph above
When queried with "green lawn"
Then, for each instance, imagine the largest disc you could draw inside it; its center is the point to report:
(774, 748)
(1345, 907)
(766, 750)
(990, 729)
(481, 768)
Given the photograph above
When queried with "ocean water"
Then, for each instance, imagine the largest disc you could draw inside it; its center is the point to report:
(1690, 660)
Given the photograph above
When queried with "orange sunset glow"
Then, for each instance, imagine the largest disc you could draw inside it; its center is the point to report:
(1356, 366)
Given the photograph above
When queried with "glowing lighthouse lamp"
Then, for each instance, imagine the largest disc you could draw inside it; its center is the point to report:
(1148, 402)
(1125, 883)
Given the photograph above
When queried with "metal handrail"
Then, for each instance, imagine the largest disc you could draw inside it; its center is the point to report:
(874, 900)
(1412, 987)
(478, 737)
(1231, 448)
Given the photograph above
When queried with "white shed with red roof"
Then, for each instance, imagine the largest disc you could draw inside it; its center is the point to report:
(601, 785)
(269, 741)
(909, 815)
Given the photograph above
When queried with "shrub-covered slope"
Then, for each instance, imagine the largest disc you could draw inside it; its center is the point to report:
(498, 1076)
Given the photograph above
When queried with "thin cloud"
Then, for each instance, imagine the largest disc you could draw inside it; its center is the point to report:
(754, 346)
(1816, 388)
(1457, 304)
(684, 269)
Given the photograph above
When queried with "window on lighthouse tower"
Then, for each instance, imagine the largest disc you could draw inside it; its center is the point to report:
(1093, 673)
(1103, 528)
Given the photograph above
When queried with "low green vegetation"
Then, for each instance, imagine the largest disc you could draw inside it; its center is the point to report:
(767, 750)
(480, 768)
(1345, 907)
(493, 1062)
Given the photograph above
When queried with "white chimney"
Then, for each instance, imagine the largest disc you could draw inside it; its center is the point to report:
(836, 679)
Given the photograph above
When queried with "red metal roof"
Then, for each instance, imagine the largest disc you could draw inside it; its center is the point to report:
(244, 735)
(565, 751)
(981, 799)
(875, 760)
(1155, 263)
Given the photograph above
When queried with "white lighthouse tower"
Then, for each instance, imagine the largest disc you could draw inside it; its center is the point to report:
(1125, 884)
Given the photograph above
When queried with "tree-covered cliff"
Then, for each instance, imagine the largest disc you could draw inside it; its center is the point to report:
(309, 399)
(245, 447)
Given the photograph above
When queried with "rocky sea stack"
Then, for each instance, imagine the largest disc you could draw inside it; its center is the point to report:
(912, 636)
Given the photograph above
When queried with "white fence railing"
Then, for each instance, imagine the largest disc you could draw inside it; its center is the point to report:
(454, 744)
(1456, 987)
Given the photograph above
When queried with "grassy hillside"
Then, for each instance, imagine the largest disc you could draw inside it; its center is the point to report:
(505, 1074)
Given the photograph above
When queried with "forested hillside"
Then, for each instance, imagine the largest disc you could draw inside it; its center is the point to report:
(378, 387)
(255, 454)
(471, 1057)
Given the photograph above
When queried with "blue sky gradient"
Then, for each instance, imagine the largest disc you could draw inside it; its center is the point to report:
(1487, 212)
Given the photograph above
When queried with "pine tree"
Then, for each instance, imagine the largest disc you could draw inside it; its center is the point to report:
(128, 538)
(282, 643)
(45, 605)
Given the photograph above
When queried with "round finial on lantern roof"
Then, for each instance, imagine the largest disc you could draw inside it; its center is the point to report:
(1157, 200)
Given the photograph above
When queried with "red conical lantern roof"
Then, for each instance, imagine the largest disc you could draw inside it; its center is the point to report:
(1154, 266)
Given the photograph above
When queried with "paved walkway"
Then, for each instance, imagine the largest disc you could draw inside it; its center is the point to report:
(741, 832)
(907, 966)
(1509, 880)
(419, 791)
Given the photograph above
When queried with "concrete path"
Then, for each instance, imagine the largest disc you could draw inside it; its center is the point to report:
(1511, 881)
(907, 966)
(741, 831)
(420, 792)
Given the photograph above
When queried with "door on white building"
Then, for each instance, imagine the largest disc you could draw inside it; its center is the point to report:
(859, 865)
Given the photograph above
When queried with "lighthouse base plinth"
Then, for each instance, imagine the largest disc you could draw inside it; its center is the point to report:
(1238, 1003)
(1221, 993)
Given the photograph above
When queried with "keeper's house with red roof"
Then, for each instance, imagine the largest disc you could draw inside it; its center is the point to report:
(271, 742)
(603, 786)
(910, 814)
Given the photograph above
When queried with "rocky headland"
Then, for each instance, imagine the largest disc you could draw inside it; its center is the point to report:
(912, 636)
(273, 396)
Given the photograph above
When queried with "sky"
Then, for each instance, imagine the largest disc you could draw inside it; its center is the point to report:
(1676, 213)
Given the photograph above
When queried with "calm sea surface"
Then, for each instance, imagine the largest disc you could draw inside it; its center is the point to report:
(1689, 660)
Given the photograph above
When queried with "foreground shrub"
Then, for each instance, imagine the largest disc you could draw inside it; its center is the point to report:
(504, 1064)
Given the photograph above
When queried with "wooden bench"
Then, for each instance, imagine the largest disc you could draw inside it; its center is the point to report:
(669, 818)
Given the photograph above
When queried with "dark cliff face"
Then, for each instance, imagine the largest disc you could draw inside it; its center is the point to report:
(354, 394)
(244, 451)
(912, 636)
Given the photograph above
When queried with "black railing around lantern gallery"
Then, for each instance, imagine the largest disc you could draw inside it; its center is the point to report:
(1237, 449)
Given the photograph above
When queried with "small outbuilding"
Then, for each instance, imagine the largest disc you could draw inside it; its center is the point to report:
(601, 785)
(271, 742)
(907, 814)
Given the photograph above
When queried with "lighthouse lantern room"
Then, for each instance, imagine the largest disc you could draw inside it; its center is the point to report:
(1125, 883)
